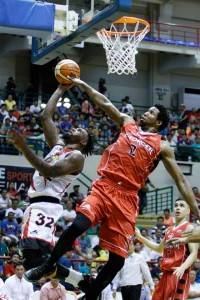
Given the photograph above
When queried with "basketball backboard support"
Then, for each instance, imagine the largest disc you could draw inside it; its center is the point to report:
(46, 49)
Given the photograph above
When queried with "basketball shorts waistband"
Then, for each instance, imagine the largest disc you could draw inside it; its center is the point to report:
(44, 199)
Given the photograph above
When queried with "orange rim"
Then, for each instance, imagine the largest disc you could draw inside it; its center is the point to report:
(127, 20)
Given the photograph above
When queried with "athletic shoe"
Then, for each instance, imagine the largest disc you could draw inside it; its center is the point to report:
(45, 269)
(85, 284)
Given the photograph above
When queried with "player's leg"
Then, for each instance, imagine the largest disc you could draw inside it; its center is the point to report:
(183, 287)
(105, 276)
(64, 244)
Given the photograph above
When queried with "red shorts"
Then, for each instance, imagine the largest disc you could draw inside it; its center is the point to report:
(116, 208)
(171, 287)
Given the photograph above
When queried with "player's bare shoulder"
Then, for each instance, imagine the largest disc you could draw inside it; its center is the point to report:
(125, 119)
(165, 148)
(75, 159)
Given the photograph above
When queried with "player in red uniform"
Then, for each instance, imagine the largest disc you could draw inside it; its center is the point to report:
(177, 259)
(113, 201)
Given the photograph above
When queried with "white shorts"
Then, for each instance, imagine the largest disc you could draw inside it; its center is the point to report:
(40, 221)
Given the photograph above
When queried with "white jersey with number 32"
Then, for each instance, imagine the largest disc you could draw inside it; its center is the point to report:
(52, 187)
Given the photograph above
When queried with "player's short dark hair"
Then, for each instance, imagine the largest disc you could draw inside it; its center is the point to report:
(162, 116)
(88, 149)
(166, 209)
(159, 218)
(180, 198)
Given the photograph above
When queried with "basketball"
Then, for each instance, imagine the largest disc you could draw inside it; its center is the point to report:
(64, 68)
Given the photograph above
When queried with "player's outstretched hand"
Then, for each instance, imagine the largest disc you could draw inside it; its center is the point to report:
(177, 241)
(76, 81)
(65, 87)
(179, 271)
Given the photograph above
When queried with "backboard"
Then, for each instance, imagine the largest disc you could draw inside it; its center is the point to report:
(74, 23)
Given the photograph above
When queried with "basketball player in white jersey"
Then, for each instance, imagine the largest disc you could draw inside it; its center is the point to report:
(52, 176)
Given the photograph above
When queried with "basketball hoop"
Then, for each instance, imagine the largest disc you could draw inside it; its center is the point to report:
(120, 43)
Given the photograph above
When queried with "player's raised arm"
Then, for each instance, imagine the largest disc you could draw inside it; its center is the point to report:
(71, 164)
(104, 103)
(182, 183)
(153, 246)
(49, 128)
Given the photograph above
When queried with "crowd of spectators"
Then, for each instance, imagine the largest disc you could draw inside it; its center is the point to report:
(183, 131)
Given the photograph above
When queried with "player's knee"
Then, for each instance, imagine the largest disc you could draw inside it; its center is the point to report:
(81, 223)
(32, 259)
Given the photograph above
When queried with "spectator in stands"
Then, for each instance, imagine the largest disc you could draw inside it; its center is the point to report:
(196, 267)
(174, 118)
(3, 112)
(183, 121)
(62, 109)
(9, 102)
(5, 126)
(33, 127)
(69, 213)
(85, 107)
(10, 117)
(145, 291)
(85, 243)
(53, 290)
(3, 249)
(9, 267)
(35, 108)
(183, 141)
(158, 236)
(77, 254)
(16, 286)
(130, 277)
(18, 213)
(27, 115)
(12, 191)
(127, 107)
(65, 124)
(101, 143)
(194, 292)
(168, 219)
(14, 247)
(56, 120)
(155, 268)
(171, 142)
(194, 134)
(21, 123)
(143, 194)
(65, 260)
(85, 269)
(159, 225)
(3, 295)
(82, 123)
(10, 227)
(5, 203)
(16, 112)
(74, 195)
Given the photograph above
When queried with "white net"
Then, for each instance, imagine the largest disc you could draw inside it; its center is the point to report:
(121, 47)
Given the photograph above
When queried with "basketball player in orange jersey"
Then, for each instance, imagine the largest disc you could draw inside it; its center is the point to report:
(113, 200)
(52, 176)
(177, 259)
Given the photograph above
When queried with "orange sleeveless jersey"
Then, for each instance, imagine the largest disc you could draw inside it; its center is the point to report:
(131, 158)
(174, 255)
